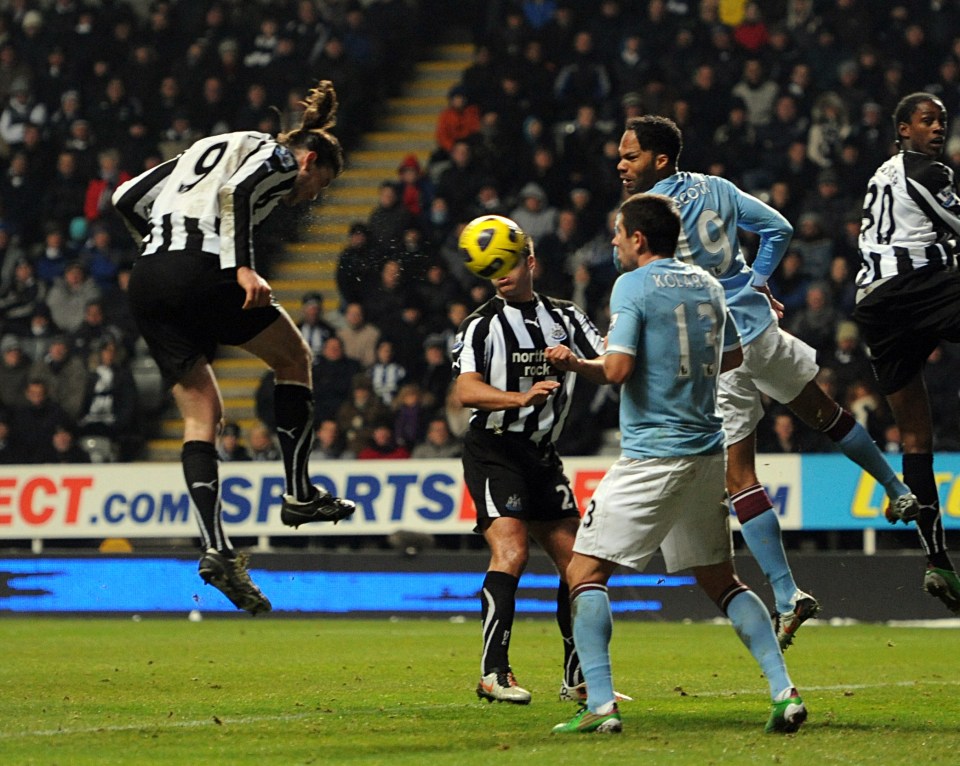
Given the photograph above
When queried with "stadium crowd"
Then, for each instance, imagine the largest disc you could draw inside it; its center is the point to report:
(790, 99)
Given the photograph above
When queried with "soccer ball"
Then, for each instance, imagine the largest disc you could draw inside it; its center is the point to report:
(492, 245)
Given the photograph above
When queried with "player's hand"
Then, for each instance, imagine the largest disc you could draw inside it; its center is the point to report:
(562, 358)
(776, 305)
(256, 287)
(539, 393)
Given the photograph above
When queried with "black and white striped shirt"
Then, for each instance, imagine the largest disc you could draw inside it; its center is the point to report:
(505, 343)
(209, 198)
(911, 219)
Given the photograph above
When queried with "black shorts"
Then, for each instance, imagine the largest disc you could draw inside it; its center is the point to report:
(508, 475)
(904, 320)
(185, 305)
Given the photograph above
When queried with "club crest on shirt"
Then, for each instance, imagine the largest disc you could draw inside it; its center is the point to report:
(558, 333)
(287, 160)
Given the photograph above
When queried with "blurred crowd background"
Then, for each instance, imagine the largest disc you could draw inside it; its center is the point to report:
(790, 99)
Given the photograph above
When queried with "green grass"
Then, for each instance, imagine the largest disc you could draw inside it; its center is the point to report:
(273, 691)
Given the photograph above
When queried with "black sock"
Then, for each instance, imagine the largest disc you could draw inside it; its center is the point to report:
(202, 474)
(918, 475)
(496, 608)
(572, 676)
(293, 407)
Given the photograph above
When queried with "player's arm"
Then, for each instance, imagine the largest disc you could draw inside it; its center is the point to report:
(617, 366)
(774, 231)
(134, 198)
(936, 193)
(563, 358)
(473, 391)
(262, 175)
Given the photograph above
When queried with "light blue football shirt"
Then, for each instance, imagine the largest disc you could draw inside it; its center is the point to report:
(671, 317)
(712, 209)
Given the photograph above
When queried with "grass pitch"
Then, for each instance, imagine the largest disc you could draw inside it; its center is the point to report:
(310, 691)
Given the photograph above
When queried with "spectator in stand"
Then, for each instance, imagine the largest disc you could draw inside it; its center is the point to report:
(313, 327)
(65, 195)
(20, 299)
(262, 443)
(21, 108)
(781, 199)
(814, 246)
(386, 374)
(757, 91)
(940, 376)
(357, 416)
(459, 182)
(81, 143)
(35, 420)
(110, 401)
(545, 172)
(230, 449)
(789, 283)
(842, 288)
(14, 372)
(410, 415)
(582, 146)
(333, 372)
(358, 265)
(534, 215)
(38, 336)
(458, 121)
(359, 338)
(414, 188)
(389, 219)
(333, 64)
(12, 69)
(785, 126)
(439, 443)
(63, 447)
(94, 329)
(828, 203)
(113, 114)
(830, 127)
(381, 444)
(20, 192)
(98, 207)
(815, 324)
(51, 256)
(64, 373)
(102, 258)
(437, 376)
(328, 442)
(69, 296)
(255, 113)
(10, 452)
(384, 305)
(584, 80)
(848, 360)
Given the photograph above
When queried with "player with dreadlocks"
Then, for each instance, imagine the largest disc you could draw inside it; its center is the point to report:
(195, 286)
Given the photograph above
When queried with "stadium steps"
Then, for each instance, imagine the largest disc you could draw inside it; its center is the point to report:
(407, 127)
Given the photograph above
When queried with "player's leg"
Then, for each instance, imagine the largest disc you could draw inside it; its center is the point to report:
(911, 410)
(822, 413)
(593, 628)
(749, 619)
(739, 399)
(201, 405)
(556, 538)
(509, 550)
(283, 348)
